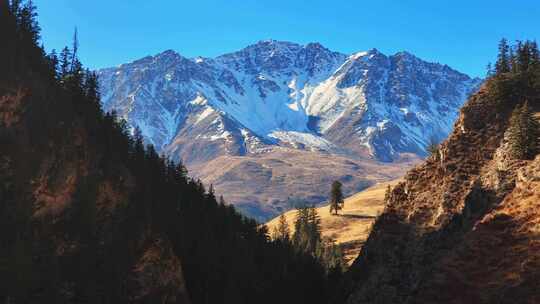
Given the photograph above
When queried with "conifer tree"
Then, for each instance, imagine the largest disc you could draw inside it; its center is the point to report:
(53, 63)
(221, 201)
(387, 194)
(523, 55)
(516, 134)
(281, 231)
(336, 198)
(535, 53)
(71, 69)
(513, 61)
(307, 230)
(524, 131)
(331, 256)
(502, 65)
(65, 66)
(74, 51)
(183, 173)
(138, 138)
(91, 86)
(28, 22)
(489, 70)
(314, 229)
(300, 238)
(211, 193)
(76, 77)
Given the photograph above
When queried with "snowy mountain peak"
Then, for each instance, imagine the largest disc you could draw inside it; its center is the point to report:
(405, 54)
(374, 51)
(168, 53)
(274, 44)
(282, 93)
(316, 46)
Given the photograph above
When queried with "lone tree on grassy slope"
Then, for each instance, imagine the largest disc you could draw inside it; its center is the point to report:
(336, 198)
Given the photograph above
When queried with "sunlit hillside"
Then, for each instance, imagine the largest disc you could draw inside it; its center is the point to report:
(351, 227)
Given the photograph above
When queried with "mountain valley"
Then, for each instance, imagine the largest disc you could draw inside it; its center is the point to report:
(367, 115)
(279, 173)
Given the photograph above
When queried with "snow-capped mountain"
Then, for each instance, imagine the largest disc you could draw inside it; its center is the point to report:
(280, 91)
(280, 94)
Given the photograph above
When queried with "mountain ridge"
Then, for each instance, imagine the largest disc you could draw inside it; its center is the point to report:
(270, 56)
(274, 95)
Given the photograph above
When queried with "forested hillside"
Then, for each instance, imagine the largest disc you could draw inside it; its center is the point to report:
(88, 214)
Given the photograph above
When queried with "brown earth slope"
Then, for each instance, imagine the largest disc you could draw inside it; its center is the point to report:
(464, 227)
(266, 185)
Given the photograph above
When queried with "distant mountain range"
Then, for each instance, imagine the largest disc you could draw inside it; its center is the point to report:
(277, 121)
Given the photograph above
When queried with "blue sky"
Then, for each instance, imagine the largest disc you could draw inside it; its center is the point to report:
(462, 34)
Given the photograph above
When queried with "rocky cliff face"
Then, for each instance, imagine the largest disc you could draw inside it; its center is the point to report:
(274, 98)
(463, 227)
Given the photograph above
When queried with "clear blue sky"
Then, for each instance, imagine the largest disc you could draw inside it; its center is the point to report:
(462, 34)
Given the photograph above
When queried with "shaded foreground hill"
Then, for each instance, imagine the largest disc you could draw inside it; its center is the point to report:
(88, 214)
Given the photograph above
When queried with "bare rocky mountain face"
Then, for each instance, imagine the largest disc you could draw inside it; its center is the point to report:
(288, 117)
(463, 227)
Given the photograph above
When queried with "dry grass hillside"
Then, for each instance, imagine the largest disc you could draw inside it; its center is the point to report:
(460, 228)
(351, 227)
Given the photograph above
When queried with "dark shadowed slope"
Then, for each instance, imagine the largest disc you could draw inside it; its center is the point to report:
(90, 215)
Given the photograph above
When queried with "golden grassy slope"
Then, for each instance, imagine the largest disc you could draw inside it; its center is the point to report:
(351, 227)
